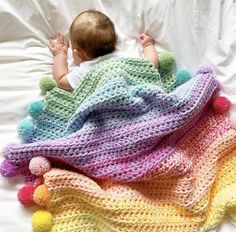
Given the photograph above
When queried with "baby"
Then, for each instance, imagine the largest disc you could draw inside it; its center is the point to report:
(93, 39)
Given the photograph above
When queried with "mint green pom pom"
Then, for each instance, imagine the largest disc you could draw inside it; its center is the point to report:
(35, 109)
(46, 84)
(26, 129)
(182, 76)
(167, 61)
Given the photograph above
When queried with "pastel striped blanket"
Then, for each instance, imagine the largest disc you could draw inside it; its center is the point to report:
(132, 149)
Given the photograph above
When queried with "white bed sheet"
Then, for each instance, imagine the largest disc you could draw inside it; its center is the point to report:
(197, 31)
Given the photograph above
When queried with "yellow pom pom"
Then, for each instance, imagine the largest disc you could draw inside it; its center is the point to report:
(42, 221)
(41, 195)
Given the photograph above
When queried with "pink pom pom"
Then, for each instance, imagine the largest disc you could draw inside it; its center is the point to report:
(221, 105)
(8, 169)
(39, 165)
(25, 195)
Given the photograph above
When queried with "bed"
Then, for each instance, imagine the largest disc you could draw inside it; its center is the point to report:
(197, 32)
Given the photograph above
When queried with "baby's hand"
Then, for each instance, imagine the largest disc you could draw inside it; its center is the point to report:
(146, 40)
(60, 47)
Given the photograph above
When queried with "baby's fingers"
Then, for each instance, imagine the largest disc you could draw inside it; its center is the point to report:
(58, 39)
(142, 36)
(62, 40)
(51, 43)
(52, 49)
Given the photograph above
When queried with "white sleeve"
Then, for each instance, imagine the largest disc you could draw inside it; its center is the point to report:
(74, 77)
(132, 54)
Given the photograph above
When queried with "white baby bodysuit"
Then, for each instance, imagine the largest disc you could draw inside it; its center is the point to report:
(75, 76)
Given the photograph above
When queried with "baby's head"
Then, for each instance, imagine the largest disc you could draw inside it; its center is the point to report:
(92, 34)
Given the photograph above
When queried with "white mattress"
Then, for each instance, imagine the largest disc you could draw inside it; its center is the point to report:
(198, 32)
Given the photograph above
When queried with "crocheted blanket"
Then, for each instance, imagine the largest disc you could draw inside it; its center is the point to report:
(143, 152)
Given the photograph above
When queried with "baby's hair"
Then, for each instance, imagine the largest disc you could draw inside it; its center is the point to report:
(94, 33)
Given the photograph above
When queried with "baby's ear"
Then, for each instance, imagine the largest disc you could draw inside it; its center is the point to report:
(79, 53)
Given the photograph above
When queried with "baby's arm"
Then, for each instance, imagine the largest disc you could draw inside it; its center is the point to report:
(149, 49)
(60, 65)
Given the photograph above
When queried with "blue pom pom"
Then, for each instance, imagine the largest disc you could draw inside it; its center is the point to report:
(35, 109)
(182, 76)
(26, 129)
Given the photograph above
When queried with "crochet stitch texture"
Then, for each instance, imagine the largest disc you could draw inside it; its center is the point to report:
(147, 154)
(60, 105)
(113, 133)
(194, 202)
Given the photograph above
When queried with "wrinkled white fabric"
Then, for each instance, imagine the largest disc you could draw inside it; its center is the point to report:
(197, 32)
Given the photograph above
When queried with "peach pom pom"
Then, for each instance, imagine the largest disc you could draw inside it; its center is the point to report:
(39, 165)
(41, 195)
(221, 105)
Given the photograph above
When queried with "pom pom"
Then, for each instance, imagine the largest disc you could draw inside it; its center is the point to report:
(25, 195)
(167, 61)
(182, 76)
(221, 105)
(46, 84)
(35, 109)
(8, 169)
(41, 195)
(38, 181)
(39, 165)
(26, 129)
(42, 221)
(205, 69)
